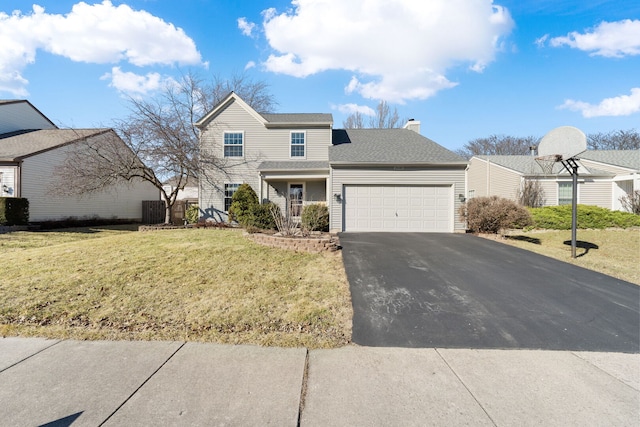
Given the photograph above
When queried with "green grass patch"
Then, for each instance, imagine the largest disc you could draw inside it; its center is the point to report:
(612, 252)
(189, 284)
(559, 218)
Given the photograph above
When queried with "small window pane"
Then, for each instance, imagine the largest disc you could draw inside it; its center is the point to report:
(233, 143)
(565, 193)
(229, 190)
(297, 144)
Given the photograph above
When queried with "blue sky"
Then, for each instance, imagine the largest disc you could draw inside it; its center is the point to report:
(465, 68)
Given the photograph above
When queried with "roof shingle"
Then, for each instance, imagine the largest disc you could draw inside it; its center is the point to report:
(14, 146)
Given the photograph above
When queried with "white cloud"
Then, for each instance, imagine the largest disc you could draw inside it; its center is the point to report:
(249, 65)
(135, 84)
(623, 105)
(609, 39)
(100, 33)
(398, 49)
(354, 108)
(246, 27)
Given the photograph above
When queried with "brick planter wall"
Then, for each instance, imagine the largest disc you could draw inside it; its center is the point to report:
(300, 244)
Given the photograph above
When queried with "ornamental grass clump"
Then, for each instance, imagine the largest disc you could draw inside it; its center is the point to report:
(493, 214)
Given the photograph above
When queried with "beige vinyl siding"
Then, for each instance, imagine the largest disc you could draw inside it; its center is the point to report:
(8, 178)
(489, 179)
(124, 201)
(598, 193)
(260, 144)
(341, 176)
(550, 189)
(477, 177)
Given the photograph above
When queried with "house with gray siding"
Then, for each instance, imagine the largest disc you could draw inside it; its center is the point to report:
(604, 176)
(32, 148)
(370, 179)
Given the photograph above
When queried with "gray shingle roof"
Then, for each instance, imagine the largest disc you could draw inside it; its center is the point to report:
(16, 145)
(388, 146)
(292, 165)
(624, 158)
(527, 165)
(298, 118)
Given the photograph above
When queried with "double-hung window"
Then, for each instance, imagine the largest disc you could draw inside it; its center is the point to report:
(234, 144)
(565, 193)
(298, 144)
(229, 190)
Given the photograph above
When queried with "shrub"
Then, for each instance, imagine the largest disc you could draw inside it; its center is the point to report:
(192, 214)
(631, 202)
(492, 214)
(315, 217)
(243, 203)
(14, 211)
(559, 218)
(262, 218)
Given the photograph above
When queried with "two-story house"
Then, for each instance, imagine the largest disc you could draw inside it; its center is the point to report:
(371, 179)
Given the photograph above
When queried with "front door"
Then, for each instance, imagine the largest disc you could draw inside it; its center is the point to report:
(296, 196)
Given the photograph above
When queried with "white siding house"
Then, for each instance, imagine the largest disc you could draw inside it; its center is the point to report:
(370, 179)
(29, 158)
(604, 176)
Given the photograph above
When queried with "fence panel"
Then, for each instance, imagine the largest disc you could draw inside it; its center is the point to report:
(153, 211)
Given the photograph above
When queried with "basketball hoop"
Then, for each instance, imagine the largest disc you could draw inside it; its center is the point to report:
(547, 162)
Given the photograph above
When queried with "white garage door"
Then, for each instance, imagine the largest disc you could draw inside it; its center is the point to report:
(398, 208)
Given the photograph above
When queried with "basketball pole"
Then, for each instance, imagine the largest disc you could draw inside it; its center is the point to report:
(572, 167)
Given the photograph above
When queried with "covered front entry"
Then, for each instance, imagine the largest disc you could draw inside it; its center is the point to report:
(410, 208)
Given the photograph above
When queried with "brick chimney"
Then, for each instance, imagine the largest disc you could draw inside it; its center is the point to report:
(413, 125)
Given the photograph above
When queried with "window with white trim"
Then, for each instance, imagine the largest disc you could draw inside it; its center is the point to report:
(234, 144)
(229, 190)
(565, 193)
(297, 144)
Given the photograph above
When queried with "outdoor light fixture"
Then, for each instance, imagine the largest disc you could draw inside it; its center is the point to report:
(461, 198)
(337, 197)
(5, 188)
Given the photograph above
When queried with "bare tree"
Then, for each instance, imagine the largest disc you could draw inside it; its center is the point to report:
(384, 118)
(614, 140)
(631, 202)
(498, 145)
(531, 193)
(160, 139)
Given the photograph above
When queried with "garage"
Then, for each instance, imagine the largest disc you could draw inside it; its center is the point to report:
(398, 208)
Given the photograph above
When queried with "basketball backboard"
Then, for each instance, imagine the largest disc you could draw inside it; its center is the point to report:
(566, 141)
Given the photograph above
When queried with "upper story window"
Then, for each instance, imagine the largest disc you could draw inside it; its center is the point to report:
(565, 193)
(298, 144)
(234, 144)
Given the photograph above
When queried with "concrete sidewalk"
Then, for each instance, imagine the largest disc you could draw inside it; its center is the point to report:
(92, 383)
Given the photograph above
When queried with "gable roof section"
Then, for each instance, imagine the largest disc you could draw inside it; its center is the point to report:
(527, 165)
(623, 158)
(298, 119)
(20, 114)
(222, 105)
(388, 146)
(293, 165)
(18, 145)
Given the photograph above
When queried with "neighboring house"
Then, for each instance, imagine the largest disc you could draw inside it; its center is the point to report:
(188, 193)
(370, 179)
(32, 147)
(604, 176)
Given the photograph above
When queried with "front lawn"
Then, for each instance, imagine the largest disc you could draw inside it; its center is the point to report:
(612, 252)
(195, 285)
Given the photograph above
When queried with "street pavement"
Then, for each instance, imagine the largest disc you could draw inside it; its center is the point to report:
(130, 383)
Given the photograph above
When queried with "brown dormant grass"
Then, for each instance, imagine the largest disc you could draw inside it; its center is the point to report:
(612, 252)
(193, 285)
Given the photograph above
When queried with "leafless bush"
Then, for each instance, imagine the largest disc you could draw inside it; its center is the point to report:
(631, 202)
(531, 194)
(493, 214)
(285, 223)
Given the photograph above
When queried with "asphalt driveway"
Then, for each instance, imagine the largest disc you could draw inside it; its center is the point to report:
(462, 291)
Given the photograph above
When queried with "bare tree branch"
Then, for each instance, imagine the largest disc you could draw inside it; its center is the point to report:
(158, 140)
